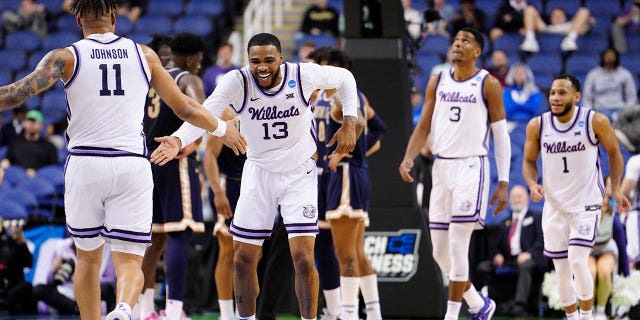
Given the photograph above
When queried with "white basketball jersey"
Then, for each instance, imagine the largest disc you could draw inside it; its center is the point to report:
(570, 163)
(460, 121)
(106, 94)
(278, 125)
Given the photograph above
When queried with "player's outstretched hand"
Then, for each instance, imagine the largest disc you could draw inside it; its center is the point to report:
(345, 136)
(186, 151)
(233, 139)
(335, 158)
(500, 196)
(622, 203)
(168, 149)
(223, 208)
(536, 192)
(405, 170)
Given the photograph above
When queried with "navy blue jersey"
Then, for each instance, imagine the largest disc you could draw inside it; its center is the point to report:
(166, 122)
(359, 159)
(322, 114)
(151, 111)
(229, 164)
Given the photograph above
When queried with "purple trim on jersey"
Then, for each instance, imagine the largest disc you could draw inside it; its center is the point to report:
(438, 226)
(556, 254)
(460, 81)
(587, 129)
(248, 233)
(305, 101)
(100, 42)
(75, 68)
(283, 84)
(438, 156)
(84, 232)
(246, 93)
(124, 235)
(482, 94)
(66, 102)
(102, 152)
(64, 168)
(599, 182)
(581, 243)
(486, 138)
(473, 218)
(302, 227)
(481, 187)
(313, 130)
(146, 78)
(541, 132)
(570, 127)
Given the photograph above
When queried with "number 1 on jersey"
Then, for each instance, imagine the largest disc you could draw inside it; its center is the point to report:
(105, 85)
(564, 160)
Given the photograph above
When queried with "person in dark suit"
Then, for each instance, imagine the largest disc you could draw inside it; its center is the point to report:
(518, 250)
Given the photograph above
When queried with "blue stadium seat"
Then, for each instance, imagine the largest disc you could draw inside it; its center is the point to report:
(545, 63)
(14, 175)
(165, 8)
(59, 39)
(154, 24)
(339, 5)
(23, 40)
(320, 40)
(569, 6)
(581, 62)
(17, 58)
(426, 61)
(633, 44)
(140, 37)
(419, 5)
(24, 198)
(509, 43)
(204, 7)
(55, 175)
(608, 8)
(603, 23)
(543, 80)
(5, 187)
(68, 23)
(199, 25)
(549, 43)
(54, 7)
(33, 102)
(3, 152)
(10, 210)
(9, 5)
(592, 43)
(40, 188)
(5, 77)
(62, 156)
(435, 44)
(54, 100)
(489, 7)
(631, 62)
(124, 26)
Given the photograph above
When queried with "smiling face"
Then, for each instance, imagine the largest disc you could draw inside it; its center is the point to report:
(562, 97)
(464, 47)
(265, 64)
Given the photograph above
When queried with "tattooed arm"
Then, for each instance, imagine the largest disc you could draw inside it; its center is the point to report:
(57, 64)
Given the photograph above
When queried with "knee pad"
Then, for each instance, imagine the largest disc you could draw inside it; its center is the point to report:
(88, 244)
(128, 247)
(440, 248)
(459, 237)
(578, 257)
(566, 290)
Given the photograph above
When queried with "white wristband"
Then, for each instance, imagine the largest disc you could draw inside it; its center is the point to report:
(221, 130)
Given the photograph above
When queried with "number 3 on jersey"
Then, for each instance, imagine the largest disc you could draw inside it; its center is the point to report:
(455, 114)
(105, 84)
(280, 129)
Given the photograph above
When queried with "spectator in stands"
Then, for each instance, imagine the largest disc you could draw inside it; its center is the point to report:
(133, 9)
(509, 18)
(628, 22)
(446, 12)
(30, 150)
(443, 66)
(320, 18)
(522, 98)
(414, 20)
(223, 65)
(16, 295)
(499, 66)
(30, 16)
(610, 87)
(559, 23)
(519, 247)
(12, 129)
(58, 291)
(608, 253)
(469, 17)
(627, 128)
(304, 51)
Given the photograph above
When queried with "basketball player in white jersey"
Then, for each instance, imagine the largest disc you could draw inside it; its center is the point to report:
(459, 106)
(271, 100)
(108, 177)
(568, 137)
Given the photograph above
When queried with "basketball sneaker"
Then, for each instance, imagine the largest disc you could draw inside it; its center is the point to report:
(151, 316)
(163, 316)
(118, 314)
(486, 312)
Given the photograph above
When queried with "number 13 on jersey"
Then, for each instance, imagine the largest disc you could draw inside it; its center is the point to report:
(276, 130)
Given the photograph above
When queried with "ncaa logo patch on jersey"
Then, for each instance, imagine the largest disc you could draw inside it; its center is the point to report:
(309, 211)
(581, 123)
(584, 229)
(465, 205)
(291, 83)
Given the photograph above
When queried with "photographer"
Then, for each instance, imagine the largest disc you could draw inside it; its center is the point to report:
(15, 293)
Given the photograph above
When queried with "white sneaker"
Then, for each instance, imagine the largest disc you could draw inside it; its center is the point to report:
(162, 315)
(568, 44)
(118, 314)
(599, 316)
(327, 316)
(530, 45)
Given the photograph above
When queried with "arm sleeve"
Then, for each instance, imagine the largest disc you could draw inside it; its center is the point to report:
(229, 92)
(502, 149)
(377, 129)
(314, 77)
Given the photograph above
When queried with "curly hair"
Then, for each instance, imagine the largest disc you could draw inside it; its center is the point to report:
(97, 7)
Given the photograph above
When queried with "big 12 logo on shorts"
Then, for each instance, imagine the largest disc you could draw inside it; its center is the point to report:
(393, 254)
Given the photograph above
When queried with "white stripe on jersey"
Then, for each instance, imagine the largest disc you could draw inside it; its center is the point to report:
(570, 163)
(460, 121)
(106, 94)
(277, 125)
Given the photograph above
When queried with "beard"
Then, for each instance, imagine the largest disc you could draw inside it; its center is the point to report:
(274, 79)
(565, 111)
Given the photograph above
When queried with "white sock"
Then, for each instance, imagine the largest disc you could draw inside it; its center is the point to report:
(303, 318)
(251, 317)
(573, 315)
(473, 299)
(135, 312)
(124, 307)
(586, 315)
(369, 288)
(173, 309)
(333, 301)
(226, 309)
(600, 309)
(349, 288)
(572, 35)
(453, 310)
(530, 35)
(146, 302)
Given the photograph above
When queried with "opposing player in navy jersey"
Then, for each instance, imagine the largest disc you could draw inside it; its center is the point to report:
(108, 183)
(347, 203)
(271, 99)
(177, 206)
(224, 172)
(460, 106)
(160, 44)
(567, 138)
